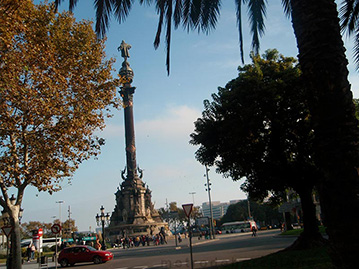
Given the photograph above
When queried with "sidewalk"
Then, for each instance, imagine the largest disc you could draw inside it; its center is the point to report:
(34, 265)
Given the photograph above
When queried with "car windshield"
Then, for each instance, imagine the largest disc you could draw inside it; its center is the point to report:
(91, 248)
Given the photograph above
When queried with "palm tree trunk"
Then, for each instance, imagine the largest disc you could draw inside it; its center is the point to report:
(324, 66)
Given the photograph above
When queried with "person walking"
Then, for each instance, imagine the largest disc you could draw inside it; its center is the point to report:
(179, 238)
(33, 249)
(28, 252)
(254, 230)
(98, 245)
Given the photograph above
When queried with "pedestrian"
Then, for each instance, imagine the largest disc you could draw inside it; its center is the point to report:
(179, 238)
(147, 240)
(28, 252)
(254, 230)
(98, 245)
(33, 249)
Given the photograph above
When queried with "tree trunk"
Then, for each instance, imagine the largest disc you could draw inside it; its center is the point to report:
(310, 237)
(287, 221)
(324, 66)
(15, 250)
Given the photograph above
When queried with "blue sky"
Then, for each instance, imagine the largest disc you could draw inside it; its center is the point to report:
(165, 108)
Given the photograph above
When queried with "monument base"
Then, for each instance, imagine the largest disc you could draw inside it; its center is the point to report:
(135, 229)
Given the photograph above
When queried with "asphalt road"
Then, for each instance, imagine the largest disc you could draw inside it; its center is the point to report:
(227, 248)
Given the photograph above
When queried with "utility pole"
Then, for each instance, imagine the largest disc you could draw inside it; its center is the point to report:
(69, 211)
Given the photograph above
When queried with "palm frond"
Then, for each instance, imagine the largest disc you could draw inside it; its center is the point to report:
(239, 25)
(356, 50)
(103, 11)
(72, 4)
(201, 15)
(160, 6)
(122, 9)
(168, 32)
(186, 14)
(256, 13)
(195, 14)
(287, 8)
(209, 15)
(147, 2)
(348, 14)
(177, 14)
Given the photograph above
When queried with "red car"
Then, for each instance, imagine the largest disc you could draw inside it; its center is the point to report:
(76, 254)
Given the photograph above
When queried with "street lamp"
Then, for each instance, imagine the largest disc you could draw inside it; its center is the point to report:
(193, 193)
(60, 203)
(101, 220)
(208, 185)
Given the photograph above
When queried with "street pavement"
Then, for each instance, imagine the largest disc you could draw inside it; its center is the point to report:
(171, 244)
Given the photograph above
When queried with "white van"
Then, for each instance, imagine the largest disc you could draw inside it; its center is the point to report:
(46, 242)
(238, 226)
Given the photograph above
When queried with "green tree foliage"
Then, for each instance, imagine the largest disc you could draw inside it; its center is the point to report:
(28, 227)
(262, 213)
(55, 87)
(259, 128)
(180, 215)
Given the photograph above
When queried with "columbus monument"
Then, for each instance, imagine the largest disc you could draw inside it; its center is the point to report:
(134, 213)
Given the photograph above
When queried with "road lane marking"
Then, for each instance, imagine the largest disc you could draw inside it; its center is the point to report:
(203, 242)
(226, 260)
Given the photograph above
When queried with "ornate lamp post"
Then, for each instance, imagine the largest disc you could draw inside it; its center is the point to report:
(101, 220)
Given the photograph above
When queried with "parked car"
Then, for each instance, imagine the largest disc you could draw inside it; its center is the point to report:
(77, 254)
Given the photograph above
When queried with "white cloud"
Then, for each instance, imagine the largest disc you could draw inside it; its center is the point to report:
(112, 130)
(176, 123)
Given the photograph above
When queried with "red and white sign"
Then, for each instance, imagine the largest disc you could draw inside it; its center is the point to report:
(56, 228)
(187, 208)
(40, 232)
(7, 230)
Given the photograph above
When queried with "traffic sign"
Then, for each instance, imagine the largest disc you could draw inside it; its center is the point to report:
(40, 232)
(7, 230)
(56, 228)
(187, 208)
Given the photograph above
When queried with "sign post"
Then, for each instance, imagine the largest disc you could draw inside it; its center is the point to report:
(7, 231)
(56, 229)
(187, 208)
(37, 241)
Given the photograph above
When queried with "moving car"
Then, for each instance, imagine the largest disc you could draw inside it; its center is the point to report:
(76, 254)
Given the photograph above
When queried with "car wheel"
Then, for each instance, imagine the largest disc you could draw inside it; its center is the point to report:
(97, 260)
(64, 262)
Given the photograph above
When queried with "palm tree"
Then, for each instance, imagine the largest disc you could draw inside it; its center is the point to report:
(324, 65)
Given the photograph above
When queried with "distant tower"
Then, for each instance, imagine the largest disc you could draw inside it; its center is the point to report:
(134, 211)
